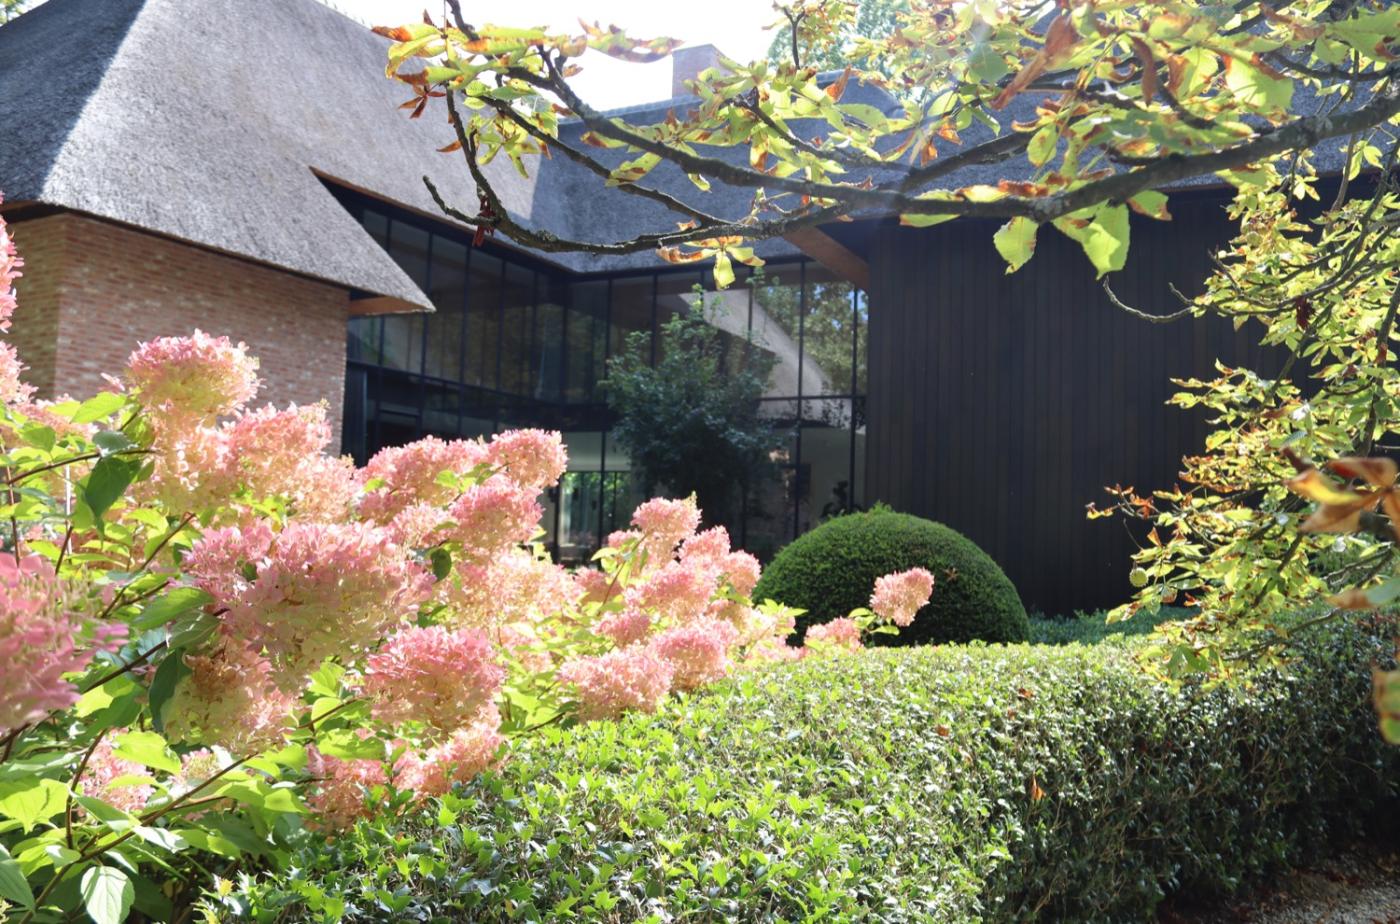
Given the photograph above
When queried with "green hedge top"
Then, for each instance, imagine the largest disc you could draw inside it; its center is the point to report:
(831, 570)
(953, 784)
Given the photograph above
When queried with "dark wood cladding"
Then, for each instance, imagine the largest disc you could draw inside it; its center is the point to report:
(1001, 404)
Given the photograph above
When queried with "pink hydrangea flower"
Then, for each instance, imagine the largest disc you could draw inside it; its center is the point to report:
(418, 525)
(625, 626)
(228, 699)
(493, 516)
(408, 475)
(742, 571)
(103, 771)
(698, 653)
(9, 272)
(191, 380)
(620, 537)
(191, 470)
(837, 635)
(666, 523)
(318, 590)
(609, 685)
(678, 591)
(899, 596)
(342, 789)
(464, 754)
(442, 678)
(12, 389)
(532, 458)
(596, 586)
(708, 546)
(512, 587)
(281, 454)
(42, 641)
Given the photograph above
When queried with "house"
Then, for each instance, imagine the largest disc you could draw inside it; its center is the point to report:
(242, 166)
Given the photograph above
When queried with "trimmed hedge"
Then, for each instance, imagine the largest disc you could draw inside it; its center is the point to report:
(831, 570)
(1092, 628)
(947, 785)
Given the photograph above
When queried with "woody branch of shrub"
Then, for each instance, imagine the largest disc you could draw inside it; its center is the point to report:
(1113, 102)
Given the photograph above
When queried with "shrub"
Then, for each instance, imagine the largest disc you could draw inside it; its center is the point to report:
(941, 784)
(221, 643)
(828, 571)
(1092, 628)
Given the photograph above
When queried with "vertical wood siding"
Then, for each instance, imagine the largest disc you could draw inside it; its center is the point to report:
(1001, 405)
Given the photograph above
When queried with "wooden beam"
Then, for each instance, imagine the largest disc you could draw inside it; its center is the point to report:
(832, 254)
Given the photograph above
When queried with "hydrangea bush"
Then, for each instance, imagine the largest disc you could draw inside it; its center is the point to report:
(219, 640)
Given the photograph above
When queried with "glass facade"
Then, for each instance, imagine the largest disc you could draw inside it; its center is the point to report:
(515, 342)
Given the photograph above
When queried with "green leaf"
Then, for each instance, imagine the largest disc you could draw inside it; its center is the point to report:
(110, 478)
(1150, 203)
(169, 606)
(39, 436)
(13, 886)
(112, 441)
(147, 749)
(724, 271)
(172, 670)
(441, 560)
(98, 407)
(1042, 145)
(32, 801)
(107, 894)
(1104, 237)
(1015, 241)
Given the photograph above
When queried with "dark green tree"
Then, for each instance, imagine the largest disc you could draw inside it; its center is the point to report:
(9, 9)
(830, 50)
(691, 421)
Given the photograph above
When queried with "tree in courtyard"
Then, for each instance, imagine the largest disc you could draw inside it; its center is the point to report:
(870, 19)
(1099, 106)
(690, 421)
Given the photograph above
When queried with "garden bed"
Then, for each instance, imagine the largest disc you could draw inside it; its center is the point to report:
(949, 784)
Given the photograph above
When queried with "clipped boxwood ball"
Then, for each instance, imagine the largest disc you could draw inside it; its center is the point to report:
(832, 570)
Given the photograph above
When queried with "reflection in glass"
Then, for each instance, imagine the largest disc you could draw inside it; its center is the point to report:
(483, 319)
(443, 354)
(586, 340)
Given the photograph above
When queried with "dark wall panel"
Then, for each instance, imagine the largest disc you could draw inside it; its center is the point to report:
(1001, 404)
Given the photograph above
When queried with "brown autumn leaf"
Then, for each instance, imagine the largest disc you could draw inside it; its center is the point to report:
(1036, 792)
(838, 88)
(1353, 599)
(942, 731)
(395, 33)
(1315, 486)
(1378, 472)
(1176, 73)
(1149, 68)
(1059, 38)
(676, 255)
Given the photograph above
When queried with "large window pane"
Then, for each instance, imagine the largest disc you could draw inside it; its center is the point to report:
(483, 319)
(631, 313)
(777, 302)
(517, 330)
(862, 341)
(403, 342)
(826, 471)
(443, 355)
(586, 339)
(829, 334)
(548, 354)
(769, 504)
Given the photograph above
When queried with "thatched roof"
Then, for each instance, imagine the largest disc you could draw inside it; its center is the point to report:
(219, 122)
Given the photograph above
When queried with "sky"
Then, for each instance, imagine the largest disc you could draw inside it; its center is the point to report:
(736, 27)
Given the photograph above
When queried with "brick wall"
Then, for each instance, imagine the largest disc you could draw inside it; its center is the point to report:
(92, 290)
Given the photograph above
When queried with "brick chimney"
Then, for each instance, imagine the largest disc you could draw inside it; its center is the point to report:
(687, 63)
